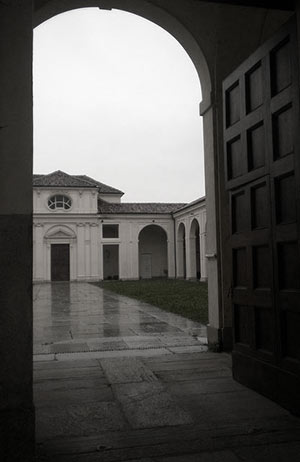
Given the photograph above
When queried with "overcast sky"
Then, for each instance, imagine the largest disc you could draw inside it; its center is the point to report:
(116, 97)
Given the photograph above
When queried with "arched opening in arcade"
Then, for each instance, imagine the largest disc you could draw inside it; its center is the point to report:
(153, 252)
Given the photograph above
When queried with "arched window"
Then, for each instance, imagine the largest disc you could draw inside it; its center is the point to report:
(59, 201)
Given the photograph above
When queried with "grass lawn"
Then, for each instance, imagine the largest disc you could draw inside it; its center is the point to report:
(187, 298)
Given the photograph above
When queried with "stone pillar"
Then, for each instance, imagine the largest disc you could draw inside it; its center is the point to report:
(171, 251)
(87, 250)
(94, 252)
(16, 404)
(80, 251)
(188, 256)
(171, 258)
(215, 325)
(180, 258)
(193, 263)
(48, 261)
(38, 262)
(203, 269)
(125, 250)
(134, 245)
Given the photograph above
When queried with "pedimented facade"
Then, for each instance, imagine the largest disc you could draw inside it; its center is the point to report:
(82, 231)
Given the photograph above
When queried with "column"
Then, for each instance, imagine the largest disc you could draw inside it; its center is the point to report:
(80, 251)
(38, 262)
(189, 273)
(134, 248)
(16, 403)
(94, 249)
(203, 268)
(193, 256)
(171, 253)
(209, 113)
(87, 251)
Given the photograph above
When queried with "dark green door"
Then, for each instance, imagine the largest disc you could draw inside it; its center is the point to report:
(261, 148)
(60, 262)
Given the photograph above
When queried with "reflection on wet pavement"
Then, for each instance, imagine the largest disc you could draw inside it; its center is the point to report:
(81, 317)
(116, 380)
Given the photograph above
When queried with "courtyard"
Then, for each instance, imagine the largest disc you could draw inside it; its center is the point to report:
(116, 379)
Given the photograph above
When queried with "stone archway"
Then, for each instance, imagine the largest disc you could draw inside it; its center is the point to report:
(153, 252)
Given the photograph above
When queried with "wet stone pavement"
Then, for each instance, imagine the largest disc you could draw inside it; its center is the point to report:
(120, 380)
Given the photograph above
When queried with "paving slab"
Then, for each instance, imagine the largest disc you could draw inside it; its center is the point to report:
(144, 342)
(107, 346)
(147, 405)
(70, 373)
(112, 354)
(127, 371)
(204, 387)
(78, 419)
(88, 392)
(68, 347)
(266, 453)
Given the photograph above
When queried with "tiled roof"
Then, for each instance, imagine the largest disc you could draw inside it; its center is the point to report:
(137, 208)
(103, 188)
(190, 204)
(63, 180)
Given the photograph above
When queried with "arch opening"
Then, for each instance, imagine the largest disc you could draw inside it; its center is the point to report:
(148, 11)
(153, 252)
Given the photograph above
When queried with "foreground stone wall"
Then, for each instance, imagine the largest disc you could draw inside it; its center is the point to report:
(16, 407)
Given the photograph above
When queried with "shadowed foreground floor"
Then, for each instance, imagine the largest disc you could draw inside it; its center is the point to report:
(119, 380)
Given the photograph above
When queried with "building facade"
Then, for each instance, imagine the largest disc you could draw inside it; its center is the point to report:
(83, 232)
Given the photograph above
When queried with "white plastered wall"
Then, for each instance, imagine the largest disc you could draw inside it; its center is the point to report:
(130, 227)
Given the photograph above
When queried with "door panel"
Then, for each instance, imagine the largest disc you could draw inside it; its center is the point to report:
(60, 262)
(146, 266)
(261, 148)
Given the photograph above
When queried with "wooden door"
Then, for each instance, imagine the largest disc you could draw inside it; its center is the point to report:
(146, 266)
(261, 148)
(60, 262)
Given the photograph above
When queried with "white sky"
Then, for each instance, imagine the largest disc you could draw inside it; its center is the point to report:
(116, 97)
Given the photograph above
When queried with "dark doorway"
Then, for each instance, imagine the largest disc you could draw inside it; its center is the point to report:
(60, 262)
(111, 261)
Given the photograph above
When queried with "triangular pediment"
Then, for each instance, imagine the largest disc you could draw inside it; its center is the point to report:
(60, 234)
